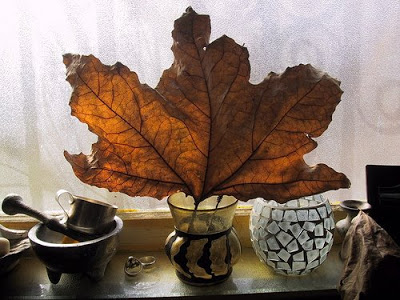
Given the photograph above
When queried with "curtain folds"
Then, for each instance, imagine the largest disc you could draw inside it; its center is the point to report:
(356, 43)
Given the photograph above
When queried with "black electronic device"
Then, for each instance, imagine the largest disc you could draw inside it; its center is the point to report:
(383, 193)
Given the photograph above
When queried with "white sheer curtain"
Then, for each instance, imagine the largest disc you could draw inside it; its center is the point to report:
(354, 41)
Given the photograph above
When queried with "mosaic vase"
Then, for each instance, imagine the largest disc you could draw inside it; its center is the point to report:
(204, 246)
(293, 238)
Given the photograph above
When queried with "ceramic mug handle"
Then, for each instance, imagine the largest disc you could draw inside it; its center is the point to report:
(71, 199)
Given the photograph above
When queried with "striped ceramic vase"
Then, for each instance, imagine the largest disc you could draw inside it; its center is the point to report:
(204, 245)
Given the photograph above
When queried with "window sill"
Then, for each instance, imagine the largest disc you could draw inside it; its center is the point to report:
(249, 278)
(143, 234)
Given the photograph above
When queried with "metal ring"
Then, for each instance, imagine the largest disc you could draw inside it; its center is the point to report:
(133, 266)
(147, 261)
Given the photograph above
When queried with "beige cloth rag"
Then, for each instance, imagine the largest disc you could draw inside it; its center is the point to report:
(371, 262)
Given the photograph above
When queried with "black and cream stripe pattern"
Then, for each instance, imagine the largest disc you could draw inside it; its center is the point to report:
(203, 259)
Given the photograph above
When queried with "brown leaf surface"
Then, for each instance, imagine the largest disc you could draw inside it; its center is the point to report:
(204, 130)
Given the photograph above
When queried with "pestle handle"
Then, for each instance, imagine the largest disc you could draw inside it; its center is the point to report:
(14, 204)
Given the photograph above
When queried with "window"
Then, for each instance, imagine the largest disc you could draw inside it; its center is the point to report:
(356, 42)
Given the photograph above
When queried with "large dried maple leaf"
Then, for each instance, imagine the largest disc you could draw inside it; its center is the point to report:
(204, 130)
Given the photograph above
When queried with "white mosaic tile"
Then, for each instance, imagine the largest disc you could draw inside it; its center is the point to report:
(296, 229)
(298, 265)
(262, 233)
(330, 243)
(290, 216)
(263, 245)
(313, 265)
(284, 238)
(273, 256)
(319, 198)
(292, 203)
(273, 243)
(254, 220)
(271, 263)
(272, 203)
(309, 226)
(309, 245)
(303, 202)
(319, 243)
(328, 208)
(303, 237)
(322, 211)
(332, 223)
(302, 215)
(262, 222)
(319, 230)
(292, 246)
(263, 256)
(284, 225)
(312, 255)
(322, 259)
(254, 232)
(273, 228)
(266, 212)
(329, 236)
(313, 215)
(324, 251)
(277, 214)
(327, 223)
(298, 256)
(284, 255)
(257, 207)
(283, 265)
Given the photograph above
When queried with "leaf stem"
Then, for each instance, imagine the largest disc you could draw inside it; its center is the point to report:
(209, 220)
